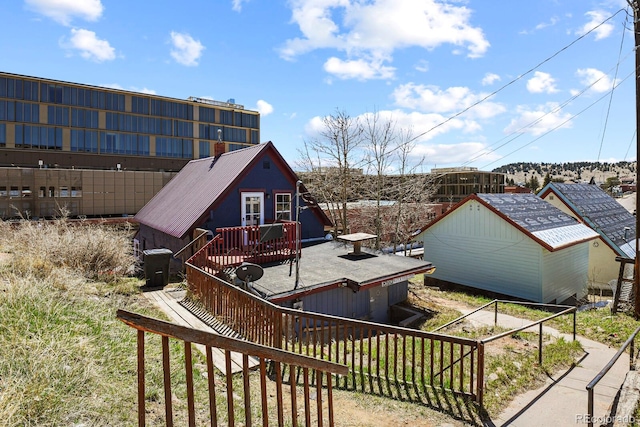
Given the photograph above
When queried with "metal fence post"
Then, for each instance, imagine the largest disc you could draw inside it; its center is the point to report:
(590, 407)
(480, 383)
(540, 346)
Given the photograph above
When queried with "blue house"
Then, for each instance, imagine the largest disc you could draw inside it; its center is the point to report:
(242, 189)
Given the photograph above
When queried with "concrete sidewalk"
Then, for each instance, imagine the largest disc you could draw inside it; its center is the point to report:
(562, 401)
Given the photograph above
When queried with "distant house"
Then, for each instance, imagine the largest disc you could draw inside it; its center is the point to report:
(516, 189)
(616, 226)
(512, 244)
(247, 187)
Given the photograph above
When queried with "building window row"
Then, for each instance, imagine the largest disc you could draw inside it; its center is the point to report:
(80, 97)
(27, 112)
(18, 89)
(84, 140)
(140, 124)
(124, 143)
(245, 120)
(58, 116)
(232, 118)
(228, 134)
(205, 149)
(174, 147)
(63, 191)
(15, 192)
(140, 105)
(81, 118)
(19, 111)
(40, 137)
(3, 135)
(206, 114)
(171, 109)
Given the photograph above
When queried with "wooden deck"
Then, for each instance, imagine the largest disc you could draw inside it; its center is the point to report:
(170, 301)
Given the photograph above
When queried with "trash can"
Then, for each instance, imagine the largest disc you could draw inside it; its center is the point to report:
(156, 267)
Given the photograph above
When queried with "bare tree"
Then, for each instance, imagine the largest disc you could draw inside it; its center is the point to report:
(379, 135)
(333, 159)
(377, 144)
(413, 191)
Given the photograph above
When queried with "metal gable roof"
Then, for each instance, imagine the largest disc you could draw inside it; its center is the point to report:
(542, 221)
(528, 211)
(188, 196)
(598, 210)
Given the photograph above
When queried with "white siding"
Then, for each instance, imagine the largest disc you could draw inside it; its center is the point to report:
(565, 273)
(473, 246)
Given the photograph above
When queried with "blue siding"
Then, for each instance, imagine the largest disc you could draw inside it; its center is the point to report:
(398, 293)
(341, 302)
(227, 213)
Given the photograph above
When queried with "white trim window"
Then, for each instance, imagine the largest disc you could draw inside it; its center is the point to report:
(283, 206)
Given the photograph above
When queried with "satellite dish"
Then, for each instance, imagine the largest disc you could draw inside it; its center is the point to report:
(248, 272)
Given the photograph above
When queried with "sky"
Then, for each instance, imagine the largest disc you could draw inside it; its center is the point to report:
(477, 83)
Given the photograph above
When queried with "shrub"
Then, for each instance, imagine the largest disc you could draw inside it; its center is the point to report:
(94, 251)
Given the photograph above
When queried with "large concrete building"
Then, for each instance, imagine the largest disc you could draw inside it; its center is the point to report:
(102, 152)
(455, 184)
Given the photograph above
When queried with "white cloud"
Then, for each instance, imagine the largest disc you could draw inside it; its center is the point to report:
(596, 17)
(264, 107)
(541, 83)
(63, 11)
(422, 66)
(236, 5)
(553, 21)
(455, 154)
(374, 30)
(358, 69)
(539, 120)
(490, 78)
(591, 76)
(186, 50)
(424, 126)
(89, 46)
(132, 88)
(452, 100)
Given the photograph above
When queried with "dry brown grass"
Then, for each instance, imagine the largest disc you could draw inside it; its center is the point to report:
(45, 247)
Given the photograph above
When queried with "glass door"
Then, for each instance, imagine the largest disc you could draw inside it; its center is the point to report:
(252, 209)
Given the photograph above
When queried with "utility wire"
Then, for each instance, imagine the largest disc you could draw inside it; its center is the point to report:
(633, 138)
(604, 130)
(564, 122)
(520, 132)
(521, 76)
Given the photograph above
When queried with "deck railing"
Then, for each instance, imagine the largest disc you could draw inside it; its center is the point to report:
(256, 244)
(377, 355)
(300, 368)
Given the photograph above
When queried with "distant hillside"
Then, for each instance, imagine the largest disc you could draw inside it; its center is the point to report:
(569, 172)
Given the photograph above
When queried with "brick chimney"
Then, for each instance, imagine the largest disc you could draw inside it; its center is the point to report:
(218, 149)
